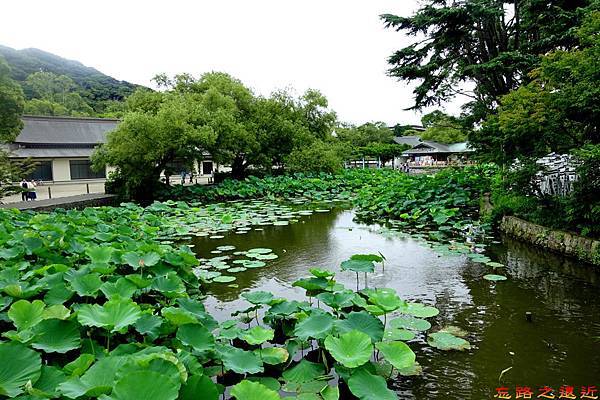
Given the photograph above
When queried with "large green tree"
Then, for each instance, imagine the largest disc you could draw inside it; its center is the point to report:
(558, 110)
(443, 128)
(481, 49)
(11, 109)
(147, 141)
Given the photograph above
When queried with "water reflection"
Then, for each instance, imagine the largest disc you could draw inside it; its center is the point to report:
(558, 347)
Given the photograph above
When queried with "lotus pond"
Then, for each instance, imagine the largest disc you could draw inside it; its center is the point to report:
(261, 299)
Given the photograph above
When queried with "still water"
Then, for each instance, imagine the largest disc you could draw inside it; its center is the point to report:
(561, 346)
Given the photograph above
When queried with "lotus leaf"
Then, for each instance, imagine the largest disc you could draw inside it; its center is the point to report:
(197, 384)
(241, 361)
(258, 297)
(447, 341)
(56, 336)
(196, 336)
(19, 365)
(25, 314)
(358, 266)
(361, 321)
(397, 353)
(248, 390)
(273, 355)
(304, 371)
(352, 349)
(367, 386)
(492, 277)
(317, 326)
(409, 322)
(115, 315)
(257, 335)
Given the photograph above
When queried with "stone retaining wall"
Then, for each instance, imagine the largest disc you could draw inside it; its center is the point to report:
(570, 244)
(72, 202)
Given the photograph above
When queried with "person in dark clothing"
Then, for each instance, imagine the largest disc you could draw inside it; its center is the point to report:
(24, 192)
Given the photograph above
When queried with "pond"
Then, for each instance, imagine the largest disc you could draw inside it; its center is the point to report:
(560, 346)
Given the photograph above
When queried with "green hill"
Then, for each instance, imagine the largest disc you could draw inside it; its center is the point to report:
(95, 87)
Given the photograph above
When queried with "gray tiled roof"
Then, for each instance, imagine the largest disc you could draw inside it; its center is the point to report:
(51, 152)
(65, 130)
(409, 140)
(427, 147)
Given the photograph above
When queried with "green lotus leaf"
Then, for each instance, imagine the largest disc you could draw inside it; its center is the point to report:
(304, 371)
(321, 273)
(419, 310)
(269, 382)
(46, 386)
(367, 386)
(248, 390)
(56, 336)
(258, 297)
(386, 299)
(196, 385)
(78, 366)
(169, 285)
(358, 265)
(97, 380)
(224, 279)
(493, 277)
(115, 315)
(57, 311)
(259, 250)
(136, 260)
(398, 334)
(313, 284)
(240, 361)
(32, 243)
(330, 393)
(25, 315)
(273, 355)
(58, 294)
(149, 324)
(99, 254)
(86, 285)
(454, 330)
(351, 349)
(495, 264)
(285, 308)
(226, 248)
(397, 353)
(235, 270)
(145, 385)
(317, 326)
(409, 322)
(257, 335)
(196, 336)
(364, 322)
(178, 316)
(122, 287)
(447, 341)
(19, 366)
(337, 300)
(367, 257)
(254, 264)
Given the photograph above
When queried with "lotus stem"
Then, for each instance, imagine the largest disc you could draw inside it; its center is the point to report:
(366, 285)
(357, 289)
(391, 372)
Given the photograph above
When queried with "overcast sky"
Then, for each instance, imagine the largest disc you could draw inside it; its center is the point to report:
(337, 46)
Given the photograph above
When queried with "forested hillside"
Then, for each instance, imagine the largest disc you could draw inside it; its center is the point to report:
(97, 90)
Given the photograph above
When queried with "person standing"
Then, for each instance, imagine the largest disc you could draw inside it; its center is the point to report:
(24, 190)
(31, 190)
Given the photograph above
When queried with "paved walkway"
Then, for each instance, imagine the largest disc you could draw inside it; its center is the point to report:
(61, 202)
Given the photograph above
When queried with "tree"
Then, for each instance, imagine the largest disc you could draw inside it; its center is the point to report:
(318, 156)
(489, 45)
(11, 105)
(55, 95)
(558, 110)
(144, 143)
(443, 128)
(11, 109)
(366, 134)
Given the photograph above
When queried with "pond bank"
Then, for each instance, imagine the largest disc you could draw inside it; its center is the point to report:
(567, 243)
(69, 202)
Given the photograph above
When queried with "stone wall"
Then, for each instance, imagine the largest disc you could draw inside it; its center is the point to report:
(72, 202)
(570, 244)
